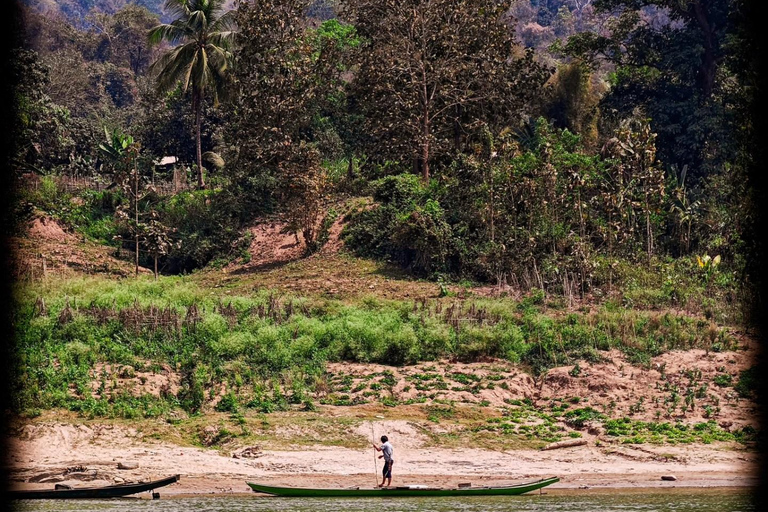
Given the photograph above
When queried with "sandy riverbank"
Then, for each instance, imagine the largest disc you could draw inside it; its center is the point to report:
(42, 453)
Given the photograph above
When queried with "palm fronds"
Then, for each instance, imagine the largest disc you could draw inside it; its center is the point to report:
(204, 34)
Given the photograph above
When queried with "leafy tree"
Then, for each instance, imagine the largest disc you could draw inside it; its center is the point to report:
(337, 128)
(157, 238)
(165, 123)
(43, 131)
(639, 181)
(407, 225)
(671, 58)
(124, 36)
(573, 101)
(124, 154)
(203, 58)
(115, 147)
(536, 210)
(432, 71)
(285, 74)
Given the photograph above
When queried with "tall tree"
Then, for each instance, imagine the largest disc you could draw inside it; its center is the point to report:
(43, 131)
(574, 100)
(202, 59)
(285, 73)
(426, 64)
(672, 59)
(123, 36)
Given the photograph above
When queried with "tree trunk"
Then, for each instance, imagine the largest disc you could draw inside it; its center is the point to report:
(198, 106)
(490, 198)
(136, 213)
(709, 61)
(457, 129)
(425, 148)
(582, 228)
(649, 234)
(155, 266)
(568, 443)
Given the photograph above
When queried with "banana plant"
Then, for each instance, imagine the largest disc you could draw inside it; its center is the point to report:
(116, 144)
(684, 210)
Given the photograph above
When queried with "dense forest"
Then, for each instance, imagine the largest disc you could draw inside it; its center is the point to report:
(569, 151)
(554, 137)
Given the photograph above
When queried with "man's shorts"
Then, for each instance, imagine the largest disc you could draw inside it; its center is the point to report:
(387, 471)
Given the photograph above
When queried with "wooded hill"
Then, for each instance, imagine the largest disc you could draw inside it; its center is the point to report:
(567, 155)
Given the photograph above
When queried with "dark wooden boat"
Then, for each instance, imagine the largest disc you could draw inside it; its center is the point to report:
(110, 491)
(409, 490)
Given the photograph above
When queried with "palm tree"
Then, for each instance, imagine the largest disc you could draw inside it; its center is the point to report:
(204, 33)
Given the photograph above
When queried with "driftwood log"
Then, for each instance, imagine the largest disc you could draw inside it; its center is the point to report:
(565, 444)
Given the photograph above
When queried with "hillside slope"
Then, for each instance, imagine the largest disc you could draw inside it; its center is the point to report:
(639, 412)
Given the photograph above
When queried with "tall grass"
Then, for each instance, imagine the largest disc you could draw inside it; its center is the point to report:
(280, 344)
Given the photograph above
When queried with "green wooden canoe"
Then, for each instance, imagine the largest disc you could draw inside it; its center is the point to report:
(410, 490)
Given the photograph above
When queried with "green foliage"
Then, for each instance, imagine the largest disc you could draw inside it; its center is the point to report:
(407, 225)
(207, 224)
(419, 105)
(575, 371)
(723, 380)
(228, 403)
(461, 189)
(337, 33)
(748, 382)
(573, 102)
(638, 432)
(577, 418)
(116, 144)
(437, 412)
(278, 346)
(45, 137)
(677, 73)
(549, 209)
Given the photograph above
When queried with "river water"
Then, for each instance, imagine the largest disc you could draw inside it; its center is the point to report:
(676, 501)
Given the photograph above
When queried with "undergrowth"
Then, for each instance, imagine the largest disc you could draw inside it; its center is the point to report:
(269, 350)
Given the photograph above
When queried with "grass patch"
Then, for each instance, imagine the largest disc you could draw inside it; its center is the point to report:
(270, 349)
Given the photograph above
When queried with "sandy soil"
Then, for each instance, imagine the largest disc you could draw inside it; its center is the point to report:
(614, 381)
(42, 454)
(49, 249)
(274, 244)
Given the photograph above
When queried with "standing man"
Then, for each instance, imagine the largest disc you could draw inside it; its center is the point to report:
(387, 450)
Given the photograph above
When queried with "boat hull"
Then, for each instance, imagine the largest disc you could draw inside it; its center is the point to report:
(299, 492)
(111, 491)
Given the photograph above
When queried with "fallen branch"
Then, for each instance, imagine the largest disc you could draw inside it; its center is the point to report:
(565, 444)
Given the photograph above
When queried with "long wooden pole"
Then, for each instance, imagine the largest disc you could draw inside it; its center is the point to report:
(375, 465)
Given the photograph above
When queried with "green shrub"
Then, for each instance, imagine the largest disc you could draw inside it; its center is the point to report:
(228, 403)
(747, 384)
(723, 380)
(234, 344)
(208, 225)
(577, 418)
